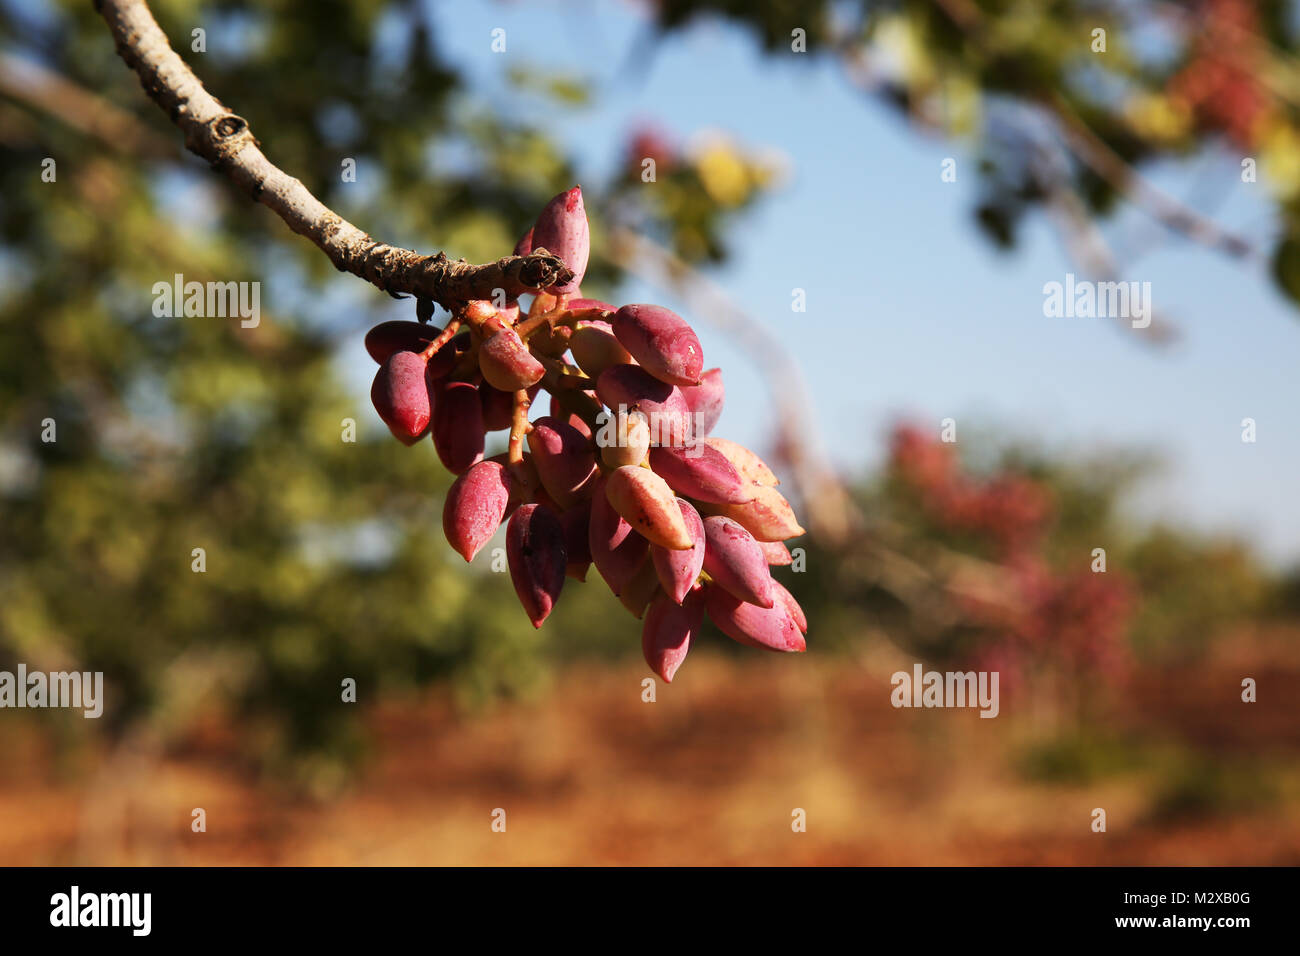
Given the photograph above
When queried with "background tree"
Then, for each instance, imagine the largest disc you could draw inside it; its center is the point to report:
(1066, 103)
(324, 558)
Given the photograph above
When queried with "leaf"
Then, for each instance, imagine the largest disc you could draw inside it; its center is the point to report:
(1286, 266)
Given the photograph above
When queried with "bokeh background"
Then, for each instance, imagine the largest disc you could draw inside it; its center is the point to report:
(776, 172)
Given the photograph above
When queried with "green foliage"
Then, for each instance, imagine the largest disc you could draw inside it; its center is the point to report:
(1198, 786)
(1172, 81)
(1084, 757)
(1182, 781)
(1286, 267)
(906, 576)
(1193, 588)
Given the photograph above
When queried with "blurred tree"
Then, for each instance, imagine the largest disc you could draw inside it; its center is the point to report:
(1066, 102)
(128, 440)
(1024, 562)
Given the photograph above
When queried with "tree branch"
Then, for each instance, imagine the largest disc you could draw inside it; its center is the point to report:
(28, 82)
(1083, 143)
(225, 140)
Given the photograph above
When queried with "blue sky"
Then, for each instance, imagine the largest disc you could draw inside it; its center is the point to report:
(910, 311)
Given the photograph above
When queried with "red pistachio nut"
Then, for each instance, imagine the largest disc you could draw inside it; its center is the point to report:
(750, 466)
(576, 522)
(389, 337)
(579, 305)
(678, 570)
(702, 473)
(565, 460)
(645, 501)
(669, 630)
(616, 548)
(776, 552)
(705, 401)
(661, 341)
(735, 561)
(475, 507)
(562, 230)
(507, 364)
(641, 589)
(623, 439)
(537, 559)
(770, 628)
(786, 600)
(768, 517)
(595, 348)
(458, 426)
(400, 395)
(629, 388)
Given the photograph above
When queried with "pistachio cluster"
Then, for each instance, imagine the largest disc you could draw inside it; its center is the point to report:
(623, 473)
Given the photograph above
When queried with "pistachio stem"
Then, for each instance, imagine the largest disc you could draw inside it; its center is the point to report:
(443, 338)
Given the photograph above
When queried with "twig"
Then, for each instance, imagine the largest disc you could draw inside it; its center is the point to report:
(1089, 148)
(26, 81)
(1110, 166)
(443, 338)
(519, 427)
(1086, 245)
(556, 317)
(1083, 239)
(225, 140)
(534, 322)
(565, 384)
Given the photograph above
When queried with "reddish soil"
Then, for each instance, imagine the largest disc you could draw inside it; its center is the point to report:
(710, 773)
